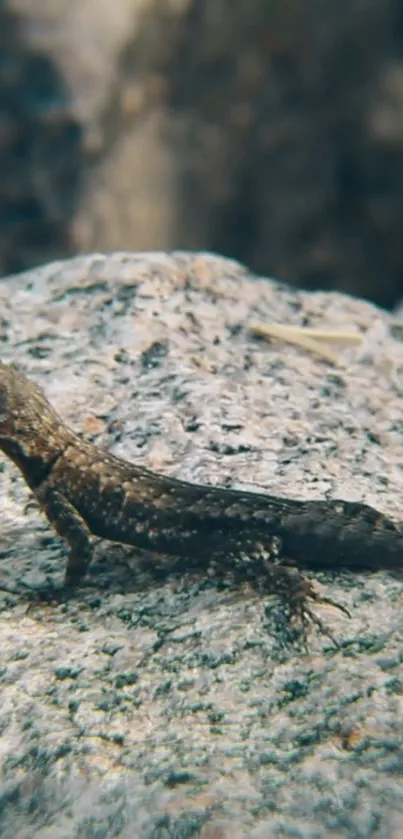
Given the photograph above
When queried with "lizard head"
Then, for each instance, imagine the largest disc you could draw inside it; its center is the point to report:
(29, 427)
(7, 397)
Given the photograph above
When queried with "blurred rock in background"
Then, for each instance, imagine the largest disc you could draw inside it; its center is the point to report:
(268, 131)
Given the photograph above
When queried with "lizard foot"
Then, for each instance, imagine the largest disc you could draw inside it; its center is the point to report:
(301, 608)
(298, 594)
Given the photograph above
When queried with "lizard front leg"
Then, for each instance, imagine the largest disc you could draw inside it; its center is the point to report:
(70, 525)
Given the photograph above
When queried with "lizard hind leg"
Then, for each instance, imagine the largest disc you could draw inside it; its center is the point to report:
(298, 594)
(264, 567)
(310, 615)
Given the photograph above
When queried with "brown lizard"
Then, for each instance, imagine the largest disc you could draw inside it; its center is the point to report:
(86, 491)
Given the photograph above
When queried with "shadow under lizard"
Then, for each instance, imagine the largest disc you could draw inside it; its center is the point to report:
(85, 491)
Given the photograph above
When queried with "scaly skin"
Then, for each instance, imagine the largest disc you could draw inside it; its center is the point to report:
(86, 491)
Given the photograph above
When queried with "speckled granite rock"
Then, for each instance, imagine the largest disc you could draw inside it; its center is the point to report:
(169, 706)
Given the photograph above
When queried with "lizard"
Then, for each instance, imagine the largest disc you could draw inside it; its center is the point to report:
(85, 491)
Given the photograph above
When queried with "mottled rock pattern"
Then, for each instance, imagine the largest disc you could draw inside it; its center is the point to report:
(158, 705)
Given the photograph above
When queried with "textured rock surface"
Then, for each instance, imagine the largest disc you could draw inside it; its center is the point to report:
(163, 705)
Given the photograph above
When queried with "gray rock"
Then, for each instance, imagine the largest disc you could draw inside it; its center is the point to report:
(165, 705)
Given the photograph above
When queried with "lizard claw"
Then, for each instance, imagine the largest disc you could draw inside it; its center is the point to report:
(301, 594)
(308, 613)
(320, 598)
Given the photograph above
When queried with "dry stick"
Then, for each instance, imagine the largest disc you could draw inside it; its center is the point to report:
(308, 339)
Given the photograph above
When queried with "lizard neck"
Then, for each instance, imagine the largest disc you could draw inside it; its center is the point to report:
(34, 467)
(35, 457)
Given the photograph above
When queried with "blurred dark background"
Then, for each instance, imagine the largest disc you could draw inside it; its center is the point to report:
(267, 130)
